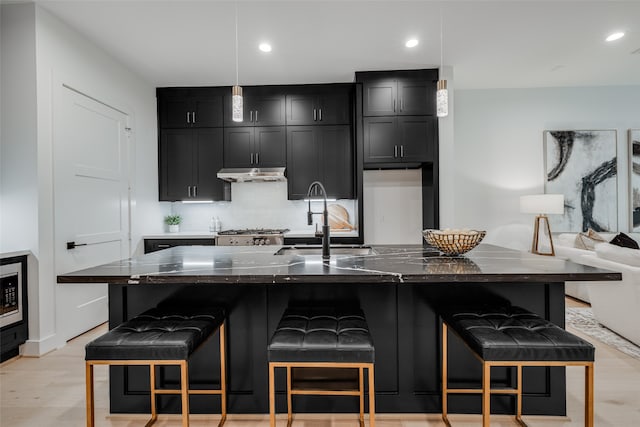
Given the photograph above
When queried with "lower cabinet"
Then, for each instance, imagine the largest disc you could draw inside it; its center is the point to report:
(189, 162)
(320, 153)
(153, 245)
(399, 139)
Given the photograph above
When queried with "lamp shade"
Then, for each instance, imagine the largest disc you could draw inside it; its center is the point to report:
(542, 204)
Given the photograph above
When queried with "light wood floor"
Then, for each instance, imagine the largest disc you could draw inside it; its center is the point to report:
(49, 391)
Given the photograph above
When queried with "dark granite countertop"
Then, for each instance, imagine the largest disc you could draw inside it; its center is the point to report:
(388, 264)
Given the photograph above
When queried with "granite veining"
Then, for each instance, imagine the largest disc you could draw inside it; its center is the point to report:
(387, 264)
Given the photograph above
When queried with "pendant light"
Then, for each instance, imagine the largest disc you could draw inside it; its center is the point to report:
(442, 94)
(236, 91)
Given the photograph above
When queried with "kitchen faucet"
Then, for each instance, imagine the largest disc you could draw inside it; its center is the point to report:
(325, 213)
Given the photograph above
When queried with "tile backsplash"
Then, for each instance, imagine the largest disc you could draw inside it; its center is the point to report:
(256, 205)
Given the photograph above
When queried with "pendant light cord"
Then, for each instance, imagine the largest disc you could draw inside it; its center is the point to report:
(441, 44)
(236, 45)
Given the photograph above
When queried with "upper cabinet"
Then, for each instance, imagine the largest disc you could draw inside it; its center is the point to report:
(320, 153)
(189, 107)
(251, 147)
(398, 93)
(399, 124)
(189, 160)
(262, 106)
(320, 105)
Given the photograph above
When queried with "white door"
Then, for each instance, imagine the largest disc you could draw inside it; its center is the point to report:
(91, 198)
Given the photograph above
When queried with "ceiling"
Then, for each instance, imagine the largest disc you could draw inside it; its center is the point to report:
(488, 44)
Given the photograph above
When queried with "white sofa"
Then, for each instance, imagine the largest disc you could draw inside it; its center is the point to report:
(564, 248)
(615, 305)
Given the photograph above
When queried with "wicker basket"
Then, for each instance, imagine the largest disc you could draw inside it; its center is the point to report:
(453, 242)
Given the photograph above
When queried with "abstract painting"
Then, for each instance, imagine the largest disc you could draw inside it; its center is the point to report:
(581, 164)
(634, 177)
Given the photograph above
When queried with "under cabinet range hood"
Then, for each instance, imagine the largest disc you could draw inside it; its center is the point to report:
(252, 174)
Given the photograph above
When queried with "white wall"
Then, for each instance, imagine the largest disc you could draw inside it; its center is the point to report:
(499, 145)
(392, 203)
(18, 153)
(257, 205)
(51, 54)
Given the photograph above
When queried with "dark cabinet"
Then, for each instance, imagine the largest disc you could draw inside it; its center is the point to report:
(261, 107)
(409, 139)
(320, 105)
(263, 146)
(399, 123)
(153, 245)
(185, 108)
(320, 153)
(399, 93)
(189, 162)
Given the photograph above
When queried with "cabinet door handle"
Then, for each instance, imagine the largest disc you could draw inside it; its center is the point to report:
(193, 116)
(395, 151)
(251, 162)
(250, 116)
(401, 104)
(163, 246)
(402, 151)
(394, 105)
(189, 190)
(257, 161)
(315, 116)
(195, 191)
(256, 116)
(320, 114)
(188, 117)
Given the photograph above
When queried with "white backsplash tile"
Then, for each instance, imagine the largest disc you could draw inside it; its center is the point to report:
(255, 205)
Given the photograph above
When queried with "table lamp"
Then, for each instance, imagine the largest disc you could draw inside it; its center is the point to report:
(542, 204)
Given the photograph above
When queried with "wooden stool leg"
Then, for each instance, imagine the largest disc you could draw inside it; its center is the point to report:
(519, 396)
(486, 394)
(588, 392)
(90, 396)
(445, 391)
(223, 374)
(361, 390)
(184, 388)
(272, 397)
(372, 397)
(289, 402)
(152, 392)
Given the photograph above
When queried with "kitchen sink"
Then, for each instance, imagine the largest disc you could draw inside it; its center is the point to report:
(334, 250)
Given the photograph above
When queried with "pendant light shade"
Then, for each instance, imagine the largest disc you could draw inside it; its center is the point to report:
(236, 103)
(236, 91)
(442, 99)
(442, 94)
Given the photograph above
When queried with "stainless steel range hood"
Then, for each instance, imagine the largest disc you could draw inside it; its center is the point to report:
(252, 174)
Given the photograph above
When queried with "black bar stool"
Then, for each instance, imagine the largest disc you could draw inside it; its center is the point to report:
(513, 336)
(319, 337)
(159, 337)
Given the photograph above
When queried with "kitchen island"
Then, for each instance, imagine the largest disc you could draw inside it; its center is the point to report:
(398, 287)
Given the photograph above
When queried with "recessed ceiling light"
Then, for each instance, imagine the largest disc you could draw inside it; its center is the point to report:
(265, 47)
(411, 43)
(615, 36)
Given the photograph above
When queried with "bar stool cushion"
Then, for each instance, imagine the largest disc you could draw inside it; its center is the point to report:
(165, 333)
(510, 333)
(318, 334)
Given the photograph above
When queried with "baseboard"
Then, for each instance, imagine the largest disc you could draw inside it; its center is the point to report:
(38, 348)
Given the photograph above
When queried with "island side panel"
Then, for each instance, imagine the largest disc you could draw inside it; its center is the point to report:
(405, 329)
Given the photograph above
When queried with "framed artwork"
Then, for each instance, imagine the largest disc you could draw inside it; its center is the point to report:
(634, 178)
(581, 164)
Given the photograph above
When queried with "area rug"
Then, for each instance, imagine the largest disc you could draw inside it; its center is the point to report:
(581, 318)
